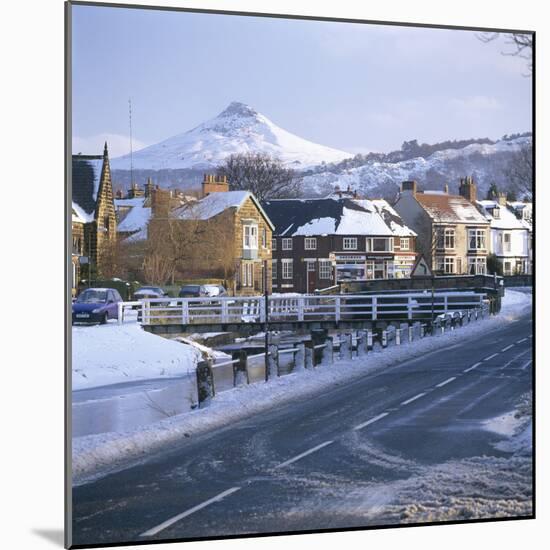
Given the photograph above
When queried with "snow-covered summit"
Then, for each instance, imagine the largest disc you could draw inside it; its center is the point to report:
(237, 129)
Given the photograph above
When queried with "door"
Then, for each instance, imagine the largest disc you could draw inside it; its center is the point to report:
(311, 276)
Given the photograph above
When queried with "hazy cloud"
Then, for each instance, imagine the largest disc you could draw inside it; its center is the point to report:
(118, 144)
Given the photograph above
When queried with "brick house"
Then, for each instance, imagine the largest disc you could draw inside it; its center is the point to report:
(77, 245)
(320, 242)
(453, 235)
(232, 234)
(95, 223)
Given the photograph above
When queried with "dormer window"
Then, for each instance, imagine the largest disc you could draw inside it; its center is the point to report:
(496, 213)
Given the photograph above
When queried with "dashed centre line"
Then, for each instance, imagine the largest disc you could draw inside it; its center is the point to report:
(302, 455)
(472, 367)
(521, 341)
(490, 356)
(507, 347)
(374, 419)
(413, 398)
(445, 382)
(171, 521)
(527, 364)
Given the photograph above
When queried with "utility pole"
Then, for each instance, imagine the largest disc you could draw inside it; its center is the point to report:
(131, 145)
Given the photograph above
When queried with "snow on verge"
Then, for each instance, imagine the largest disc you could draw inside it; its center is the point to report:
(98, 455)
(111, 354)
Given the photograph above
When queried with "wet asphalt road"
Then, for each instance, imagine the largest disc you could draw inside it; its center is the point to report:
(275, 472)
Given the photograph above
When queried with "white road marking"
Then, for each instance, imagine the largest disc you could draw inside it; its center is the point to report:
(521, 341)
(490, 356)
(413, 398)
(472, 367)
(515, 358)
(507, 347)
(445, 382)
(527, 364)
(173, 520)
(360, 426)
(302, 455)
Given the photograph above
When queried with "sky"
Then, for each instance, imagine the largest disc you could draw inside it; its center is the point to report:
(354, 87)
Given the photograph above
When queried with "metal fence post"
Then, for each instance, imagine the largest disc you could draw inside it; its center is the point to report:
(119, 312)
(384, 338)
(205, 383)
(411, 335)
(369, 340)
(337, 306)
(185, 312)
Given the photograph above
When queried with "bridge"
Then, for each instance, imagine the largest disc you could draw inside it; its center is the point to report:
(252, 314)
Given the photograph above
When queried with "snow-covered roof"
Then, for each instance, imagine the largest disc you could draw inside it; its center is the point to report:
(446, 208)
(392, 219)
(134, 215)
(216, 203)
(329, 216)
(86, 176)
(79, 216)
(506, 218)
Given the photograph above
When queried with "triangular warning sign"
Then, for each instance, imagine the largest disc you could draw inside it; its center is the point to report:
(421, 268)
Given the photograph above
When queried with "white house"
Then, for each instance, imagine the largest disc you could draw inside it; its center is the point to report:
(510, 239)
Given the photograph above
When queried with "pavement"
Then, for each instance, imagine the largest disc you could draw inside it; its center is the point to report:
(342, 459)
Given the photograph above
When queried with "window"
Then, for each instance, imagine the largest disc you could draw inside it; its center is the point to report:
(449, 266)
(273, 270)
(439, 235)
(273, 244)
(449, 238)
(507, 268)
(476, 239)
(310, 243)
(496, 213)
(287, 244)
(507, 247)
(325, 269)
(287, 269)
(248, 274)
(404, 243)
(477, 266)
(310, 265)
(350, 243)
(264, 238)
(380, 244)
(250, 236)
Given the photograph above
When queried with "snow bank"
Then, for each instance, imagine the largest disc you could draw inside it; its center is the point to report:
(98, 455)
(111, 354)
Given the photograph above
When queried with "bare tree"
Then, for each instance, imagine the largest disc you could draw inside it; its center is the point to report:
(520, 45)
(266, 177)
(519, 172)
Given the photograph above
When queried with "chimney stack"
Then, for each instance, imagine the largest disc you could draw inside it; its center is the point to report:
(149, 188)
(467, 189)
(409, 187)
(160, 202)
(214, 184)
(501, 198)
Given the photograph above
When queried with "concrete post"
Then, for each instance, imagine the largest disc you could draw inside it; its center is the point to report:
(369, 340)
(345, 347)
(328, 350)
(308, 357)
(240, 370)
(205, 383)
(361, 343)
(299, 358)
(411, 335)
(384, 338)
(318, 337)
(273, 361)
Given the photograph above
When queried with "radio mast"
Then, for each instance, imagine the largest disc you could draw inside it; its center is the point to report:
(131, 149)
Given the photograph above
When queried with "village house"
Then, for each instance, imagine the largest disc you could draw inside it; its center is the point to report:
(453, 235)
(94, 222)
(510, 240)
(223, 234)
(318, 243)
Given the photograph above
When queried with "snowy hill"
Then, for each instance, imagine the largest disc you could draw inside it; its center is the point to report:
(486, 161)
(237, 129)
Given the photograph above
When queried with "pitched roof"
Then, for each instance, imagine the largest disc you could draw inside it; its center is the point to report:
(445, 208)
(329, 216)
(86, 174)
(506, 219)
(215, 203)
(133, 217)
(392, 218)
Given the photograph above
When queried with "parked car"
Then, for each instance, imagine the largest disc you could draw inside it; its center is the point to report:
(149, 292)
(193, 291)
(96, 305)
(215, 290)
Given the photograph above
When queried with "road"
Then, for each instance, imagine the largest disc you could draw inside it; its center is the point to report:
(363, 453)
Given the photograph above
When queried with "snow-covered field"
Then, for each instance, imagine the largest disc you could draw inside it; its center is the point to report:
(112, 354)
(96, 455)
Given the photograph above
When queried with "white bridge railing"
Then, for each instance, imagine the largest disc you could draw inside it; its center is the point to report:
(337, 307)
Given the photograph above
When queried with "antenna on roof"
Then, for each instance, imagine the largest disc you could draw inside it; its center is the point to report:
(131, 151)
